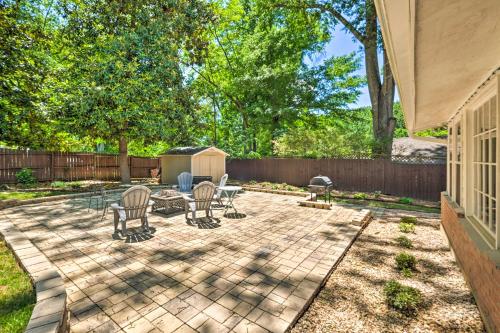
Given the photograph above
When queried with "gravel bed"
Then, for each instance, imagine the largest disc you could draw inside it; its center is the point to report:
(353, 300)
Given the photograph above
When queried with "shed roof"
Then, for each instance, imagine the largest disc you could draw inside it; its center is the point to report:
(191, 150)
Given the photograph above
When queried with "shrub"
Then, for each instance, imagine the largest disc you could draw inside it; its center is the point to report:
(404, 242)
(377, 194)
(253, 155)
(408, 219)
(406, 261)
(401, 297)
(26, 177)
(360, 196)
(407, 201)
(406, 227)
(61, 184)
(252, 182)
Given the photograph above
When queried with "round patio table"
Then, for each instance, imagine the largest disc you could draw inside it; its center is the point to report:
(230, 193)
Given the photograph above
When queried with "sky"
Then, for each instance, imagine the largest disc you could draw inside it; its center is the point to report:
(342, 43)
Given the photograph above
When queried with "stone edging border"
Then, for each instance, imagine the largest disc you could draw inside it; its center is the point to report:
(50, 314)
(361, 218)
(14, 202)
(284, 192)
(305, 194)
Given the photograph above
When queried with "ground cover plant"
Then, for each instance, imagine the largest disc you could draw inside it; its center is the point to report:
(406, 263)
(405, 200)
(17, 195)
(401, 297)
(388, 205)
(17, 296)
(406, 227)
(404, 242)
(66, 185)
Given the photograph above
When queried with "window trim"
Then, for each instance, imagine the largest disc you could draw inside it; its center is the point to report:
(467, 181)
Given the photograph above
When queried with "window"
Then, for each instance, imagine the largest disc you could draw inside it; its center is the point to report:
(454, 160)
(484, 165)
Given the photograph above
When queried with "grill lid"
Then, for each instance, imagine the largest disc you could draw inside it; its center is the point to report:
(321, 181)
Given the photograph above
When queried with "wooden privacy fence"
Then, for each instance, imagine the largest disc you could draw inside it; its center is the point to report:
(420, 181)
(50, 166)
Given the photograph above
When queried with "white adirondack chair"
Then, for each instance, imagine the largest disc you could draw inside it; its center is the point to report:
(133, 206)
(185, 180)
(201, 199)
(218, 193)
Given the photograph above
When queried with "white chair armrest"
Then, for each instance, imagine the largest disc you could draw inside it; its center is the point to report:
(187, 197)
(115, 206)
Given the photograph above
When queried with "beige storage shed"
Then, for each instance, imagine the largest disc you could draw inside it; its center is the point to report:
(199, 161)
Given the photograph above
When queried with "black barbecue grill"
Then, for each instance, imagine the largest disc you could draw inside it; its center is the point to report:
(321, 185)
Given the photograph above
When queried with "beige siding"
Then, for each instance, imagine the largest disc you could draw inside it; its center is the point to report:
(172, 166)
(209, 164)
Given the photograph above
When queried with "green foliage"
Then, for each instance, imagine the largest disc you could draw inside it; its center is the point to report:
(256, 83)
(253, 155)
(408, 219)
(236, 74)
(61, 184)
(25, 177)
(404, 242)
(439, 132)
(360, 196)
(406, 201)
(125, 77)
(403, 298)
(17, 297)
(406, 261)
(406, 227)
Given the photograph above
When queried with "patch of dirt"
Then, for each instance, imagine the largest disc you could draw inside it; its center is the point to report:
(353, 299)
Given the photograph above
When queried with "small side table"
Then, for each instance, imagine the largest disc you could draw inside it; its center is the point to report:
(230, 192)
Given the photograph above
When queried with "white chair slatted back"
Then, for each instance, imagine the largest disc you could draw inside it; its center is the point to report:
(222, 182)
(185, 180)
(135, 201)
(203, 194)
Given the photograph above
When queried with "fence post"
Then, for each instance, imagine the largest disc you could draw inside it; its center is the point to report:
(52, 171)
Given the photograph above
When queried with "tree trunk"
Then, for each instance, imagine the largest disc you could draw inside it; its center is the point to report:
(123, 161)
(247, 145)
(381, 93)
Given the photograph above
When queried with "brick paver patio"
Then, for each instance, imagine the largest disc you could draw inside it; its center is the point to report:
(250, 274)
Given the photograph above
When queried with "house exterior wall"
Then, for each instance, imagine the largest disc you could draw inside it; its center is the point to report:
(172, 166)
(477, 261)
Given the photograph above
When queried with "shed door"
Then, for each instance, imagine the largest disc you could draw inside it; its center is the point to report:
(209, 165)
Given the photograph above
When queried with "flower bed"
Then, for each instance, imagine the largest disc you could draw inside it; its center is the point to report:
(368, 293)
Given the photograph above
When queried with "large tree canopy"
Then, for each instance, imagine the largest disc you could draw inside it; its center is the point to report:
(125, 69)
(360, 19)
(142, 76)
(25, 65)
(256, 75)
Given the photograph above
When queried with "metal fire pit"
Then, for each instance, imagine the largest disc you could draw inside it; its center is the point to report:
(321, 185)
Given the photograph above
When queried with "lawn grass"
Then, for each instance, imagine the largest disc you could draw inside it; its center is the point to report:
(17, 297)
(28, 195)
(388, 205)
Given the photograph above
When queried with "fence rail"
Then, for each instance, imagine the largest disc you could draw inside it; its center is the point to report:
(50, 166)
(420, 181)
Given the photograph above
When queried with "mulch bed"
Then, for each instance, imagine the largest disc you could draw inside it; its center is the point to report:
(353, 299)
